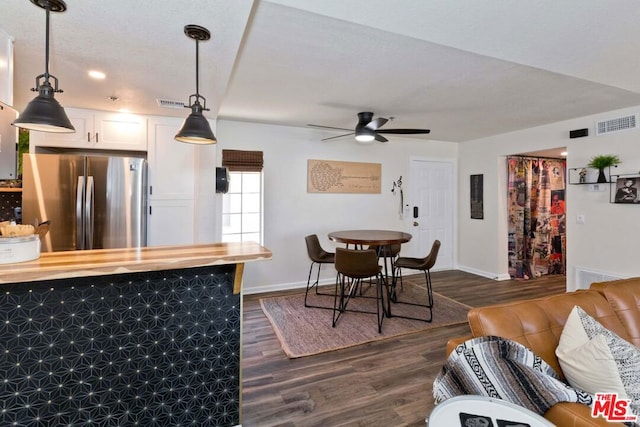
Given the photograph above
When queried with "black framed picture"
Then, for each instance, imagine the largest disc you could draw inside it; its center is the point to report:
(627, 189)
(477, 197)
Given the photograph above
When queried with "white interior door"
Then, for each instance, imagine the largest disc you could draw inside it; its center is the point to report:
(431, 209)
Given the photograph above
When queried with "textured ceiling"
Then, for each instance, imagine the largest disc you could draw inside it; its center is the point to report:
(465, 70)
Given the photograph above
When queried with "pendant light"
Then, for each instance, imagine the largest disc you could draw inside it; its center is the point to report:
(196, 128)
(44, 113)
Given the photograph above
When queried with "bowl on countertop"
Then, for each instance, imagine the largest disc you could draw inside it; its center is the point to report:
(19, 248)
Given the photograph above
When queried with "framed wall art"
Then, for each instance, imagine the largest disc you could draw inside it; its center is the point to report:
(477, 197)
(330, 176)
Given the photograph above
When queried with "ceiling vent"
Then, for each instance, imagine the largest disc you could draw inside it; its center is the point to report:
(167, 103)
(617, 125)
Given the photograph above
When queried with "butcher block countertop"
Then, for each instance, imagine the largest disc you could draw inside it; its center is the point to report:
(100, 262)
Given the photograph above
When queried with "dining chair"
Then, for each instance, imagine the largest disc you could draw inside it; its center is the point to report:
(318, 256)
(353, 266)
(425, 264)
(389, 254)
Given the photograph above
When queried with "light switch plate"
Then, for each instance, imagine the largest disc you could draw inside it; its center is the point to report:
(598, 187)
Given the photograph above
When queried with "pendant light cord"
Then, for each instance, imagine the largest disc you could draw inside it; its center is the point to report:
(46, 51)
(47, 76)
(197, 71)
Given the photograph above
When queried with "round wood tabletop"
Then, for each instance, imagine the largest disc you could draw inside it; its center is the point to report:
(370, 237)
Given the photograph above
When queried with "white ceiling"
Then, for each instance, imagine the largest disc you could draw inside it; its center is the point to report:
(464, 69)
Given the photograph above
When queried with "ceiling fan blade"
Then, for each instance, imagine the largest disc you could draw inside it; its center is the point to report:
(405, 131)
(376, 123)
(327, 127)
(380, 138)
(339, 136)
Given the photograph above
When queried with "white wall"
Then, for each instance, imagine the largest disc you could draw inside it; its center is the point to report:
(290, 213)
(205, 192)
(607, 243)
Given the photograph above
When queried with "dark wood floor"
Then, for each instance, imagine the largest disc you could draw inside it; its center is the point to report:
(385, 383)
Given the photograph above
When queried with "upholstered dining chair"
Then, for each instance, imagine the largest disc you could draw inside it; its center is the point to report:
(353, 266)
(389, 254)
(318, 257)
(425, 264)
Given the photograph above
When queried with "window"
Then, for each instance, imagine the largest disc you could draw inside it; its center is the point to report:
(242, 208)
(242, 205)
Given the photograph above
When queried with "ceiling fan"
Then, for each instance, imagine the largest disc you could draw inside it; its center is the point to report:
(368, 129)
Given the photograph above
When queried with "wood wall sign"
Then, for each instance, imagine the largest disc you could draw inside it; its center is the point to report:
(329, 176)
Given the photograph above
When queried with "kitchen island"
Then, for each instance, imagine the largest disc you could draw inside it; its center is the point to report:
(114, 337)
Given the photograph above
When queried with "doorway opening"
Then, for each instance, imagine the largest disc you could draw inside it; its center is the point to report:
(536, 212)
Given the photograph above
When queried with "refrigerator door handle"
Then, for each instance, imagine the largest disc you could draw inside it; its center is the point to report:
(79, 221)
(88, 212)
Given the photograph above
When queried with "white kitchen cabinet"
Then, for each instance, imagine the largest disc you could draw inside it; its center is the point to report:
(171, 222)
(172, 164)
(172, 180)
(98, 130)
(6, 68)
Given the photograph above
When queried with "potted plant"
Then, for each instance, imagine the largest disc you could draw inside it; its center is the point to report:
(601, 162)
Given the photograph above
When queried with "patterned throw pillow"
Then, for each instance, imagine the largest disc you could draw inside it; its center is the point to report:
(595, 359)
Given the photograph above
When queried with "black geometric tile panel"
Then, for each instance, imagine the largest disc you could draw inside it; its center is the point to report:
(144, 349)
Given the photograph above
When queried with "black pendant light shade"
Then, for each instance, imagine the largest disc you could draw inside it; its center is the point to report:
(44, 113)
(196, 128)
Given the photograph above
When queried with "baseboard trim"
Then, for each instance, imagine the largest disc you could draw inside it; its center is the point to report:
(330, 281)
(296, 285)
(488, 275)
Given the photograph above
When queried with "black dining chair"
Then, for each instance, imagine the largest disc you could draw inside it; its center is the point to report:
(425, 264)
(388, 253)
(353, 266)
(318, 257)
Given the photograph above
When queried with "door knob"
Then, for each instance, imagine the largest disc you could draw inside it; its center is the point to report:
(415, 223)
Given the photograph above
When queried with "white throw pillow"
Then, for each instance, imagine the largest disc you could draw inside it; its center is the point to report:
(595, 359)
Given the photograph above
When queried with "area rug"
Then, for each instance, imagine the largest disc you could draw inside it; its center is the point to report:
(304, 331)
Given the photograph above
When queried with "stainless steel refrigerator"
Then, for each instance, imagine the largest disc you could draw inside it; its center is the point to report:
(92, 202)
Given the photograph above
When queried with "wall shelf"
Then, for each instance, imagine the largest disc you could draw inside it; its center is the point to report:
(586, 175)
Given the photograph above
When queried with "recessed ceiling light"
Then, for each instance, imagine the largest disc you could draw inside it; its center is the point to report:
(98, 75)
(564, 153)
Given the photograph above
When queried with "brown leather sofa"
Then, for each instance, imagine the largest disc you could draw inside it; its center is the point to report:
(538, 323)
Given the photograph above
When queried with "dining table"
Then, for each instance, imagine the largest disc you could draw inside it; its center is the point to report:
(381, 239)
(370, 237)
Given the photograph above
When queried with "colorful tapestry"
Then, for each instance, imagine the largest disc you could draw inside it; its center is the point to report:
(536, 215)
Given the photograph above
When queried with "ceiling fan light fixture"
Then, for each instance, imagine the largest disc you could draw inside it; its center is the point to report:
(364, 138)
(196, 128)
(44, 113)
(365, 135)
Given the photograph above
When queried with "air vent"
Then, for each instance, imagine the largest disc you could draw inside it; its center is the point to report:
(585, 277)
(167, 103)
(617, 125)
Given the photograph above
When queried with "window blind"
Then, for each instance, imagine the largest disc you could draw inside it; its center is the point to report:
(242, 161)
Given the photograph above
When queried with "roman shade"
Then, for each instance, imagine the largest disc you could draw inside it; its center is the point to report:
(242, 161)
